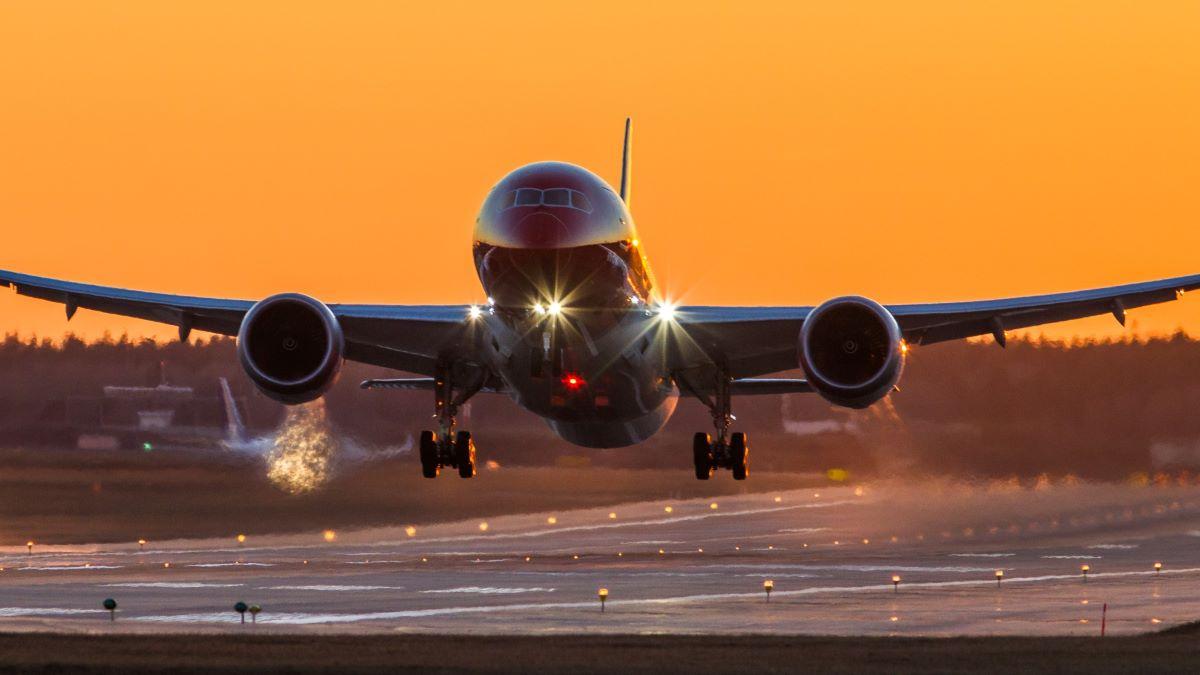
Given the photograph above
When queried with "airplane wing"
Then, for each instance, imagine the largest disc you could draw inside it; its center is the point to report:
(404, 337)
(761, 340)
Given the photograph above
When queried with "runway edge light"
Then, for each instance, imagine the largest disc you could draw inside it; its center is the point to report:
(240, 607)
(603, 595)
(111, 606)
(768, 586)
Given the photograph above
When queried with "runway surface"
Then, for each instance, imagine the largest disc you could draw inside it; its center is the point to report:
(695, 566)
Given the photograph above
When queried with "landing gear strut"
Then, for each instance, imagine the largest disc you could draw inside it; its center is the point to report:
(728, 450)
(447, 447)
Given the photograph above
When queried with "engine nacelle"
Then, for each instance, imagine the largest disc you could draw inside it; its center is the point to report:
(291, 346)
(851, 349)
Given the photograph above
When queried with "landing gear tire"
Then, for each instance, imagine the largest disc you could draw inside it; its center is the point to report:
(430, 466)
(464, 454)
(702, 455)
(739, 455)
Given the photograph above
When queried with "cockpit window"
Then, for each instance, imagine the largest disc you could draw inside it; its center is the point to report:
(529, 197)
(580, 201)
(565, 197)
(556, 197)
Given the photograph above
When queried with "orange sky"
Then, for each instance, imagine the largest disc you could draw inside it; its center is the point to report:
(785, 152)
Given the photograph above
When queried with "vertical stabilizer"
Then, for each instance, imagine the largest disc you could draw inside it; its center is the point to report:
(627, 163)
(235, 430)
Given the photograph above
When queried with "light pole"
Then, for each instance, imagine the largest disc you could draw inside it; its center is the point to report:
(603, 595)
(1085, 569)
(895, 583)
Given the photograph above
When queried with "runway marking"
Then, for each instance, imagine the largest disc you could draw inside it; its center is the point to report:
(1119, 547)
(610, 525)
(332, 587)
(1072, 557)
(982, 555)
(492, 590)
(298, 618)
(857, 568)
(169, 584)
(39, 611)
(232, 564)
(68, 568)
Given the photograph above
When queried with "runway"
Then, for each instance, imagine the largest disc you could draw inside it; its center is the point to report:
(670, 567)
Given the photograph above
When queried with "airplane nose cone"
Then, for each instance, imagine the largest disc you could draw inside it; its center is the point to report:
(540, 230)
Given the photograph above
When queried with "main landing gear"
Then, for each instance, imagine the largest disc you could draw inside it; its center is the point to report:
(726, 451)
(455, 451)
(447, 447)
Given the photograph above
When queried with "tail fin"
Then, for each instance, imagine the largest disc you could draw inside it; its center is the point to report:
(627, 163)
(235, 430)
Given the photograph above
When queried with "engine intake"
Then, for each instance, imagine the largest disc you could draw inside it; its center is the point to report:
(291, 346)
(851, 351)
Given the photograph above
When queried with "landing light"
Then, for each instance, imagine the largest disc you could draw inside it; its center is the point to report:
(538, 309)
(474, 312)
(666, 311)
(555, 308)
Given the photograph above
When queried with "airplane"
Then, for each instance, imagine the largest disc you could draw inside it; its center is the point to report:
(575, 330)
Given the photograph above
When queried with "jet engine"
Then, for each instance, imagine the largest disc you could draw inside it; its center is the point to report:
(852, 351)
(291, 346)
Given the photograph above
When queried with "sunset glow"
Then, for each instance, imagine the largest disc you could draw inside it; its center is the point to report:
(959, 150)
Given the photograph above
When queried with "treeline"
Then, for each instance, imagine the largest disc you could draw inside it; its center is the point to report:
(1103, 409)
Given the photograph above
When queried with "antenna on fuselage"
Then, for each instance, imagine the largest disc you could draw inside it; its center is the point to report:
(627, 163)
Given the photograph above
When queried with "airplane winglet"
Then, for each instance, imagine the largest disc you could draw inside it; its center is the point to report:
(627, 163)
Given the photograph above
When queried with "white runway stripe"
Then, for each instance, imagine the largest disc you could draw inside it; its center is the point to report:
(169, 584)
(611, 526)
(306, 618)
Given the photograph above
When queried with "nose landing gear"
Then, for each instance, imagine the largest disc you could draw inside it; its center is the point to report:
(728, 450)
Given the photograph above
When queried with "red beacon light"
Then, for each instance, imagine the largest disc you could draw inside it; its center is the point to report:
(573, 381)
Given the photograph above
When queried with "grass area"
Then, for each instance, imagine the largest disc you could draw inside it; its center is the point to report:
(1168, 652)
